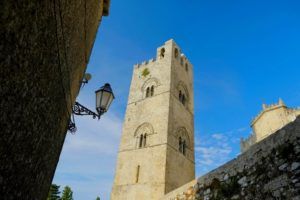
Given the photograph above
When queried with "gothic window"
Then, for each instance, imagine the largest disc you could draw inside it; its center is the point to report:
(181, 61)
(183, 140)
(149, 87)
(186, 67)
(176, 52)
(147, 92)
(182, 93)
(141, 141)
(142, 134)
(162, 53)
(152, 91)
(182, 146)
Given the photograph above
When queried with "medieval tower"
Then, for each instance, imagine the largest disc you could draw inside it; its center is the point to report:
(156, 153)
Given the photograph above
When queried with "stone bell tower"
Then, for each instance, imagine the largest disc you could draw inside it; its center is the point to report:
(156, 153)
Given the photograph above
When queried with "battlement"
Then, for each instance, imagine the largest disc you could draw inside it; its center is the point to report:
(169, 50)
(273, 106)
(144, 63)
(268, 108)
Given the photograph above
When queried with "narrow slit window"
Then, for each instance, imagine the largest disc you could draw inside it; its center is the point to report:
(147, 92)
(152, 91)
(183, 147)
(137, 174)
(180, 94)
(180, 144)
(183, 100)
(141, 141)
(145, 140)
(176, 52)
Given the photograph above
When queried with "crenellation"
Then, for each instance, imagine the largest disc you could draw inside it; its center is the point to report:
(268, 170)
(145, 63)
(269, 120)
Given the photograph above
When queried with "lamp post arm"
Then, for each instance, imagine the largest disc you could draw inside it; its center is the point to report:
(79, 109)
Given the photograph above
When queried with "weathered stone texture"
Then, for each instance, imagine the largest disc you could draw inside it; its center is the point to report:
(272, 118)
(269, 170)
(158, 167)
(45, 46)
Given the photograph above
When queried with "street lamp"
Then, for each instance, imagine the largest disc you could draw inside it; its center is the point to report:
(104, 97)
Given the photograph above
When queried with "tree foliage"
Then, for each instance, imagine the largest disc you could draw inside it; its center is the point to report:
(67, 194)
(54, 192)
(98, 198)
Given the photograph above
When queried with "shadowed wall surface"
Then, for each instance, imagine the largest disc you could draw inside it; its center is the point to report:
(45, 49)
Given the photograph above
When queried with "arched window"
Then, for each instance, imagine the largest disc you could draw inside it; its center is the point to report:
(147, 92)
(176, 52)
(183, 96)
(162, 53)
(145, 140)
(183, 140)
(181, 61)
(141, 141)
(186, 67)
(152, 90)
(142, 134)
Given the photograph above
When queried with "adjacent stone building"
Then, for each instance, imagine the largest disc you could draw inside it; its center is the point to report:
(44, 50)
(156, 153)
(270, 119)
(269, 170)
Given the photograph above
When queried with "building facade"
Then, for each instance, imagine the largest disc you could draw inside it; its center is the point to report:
(268, 121)
(156, 153)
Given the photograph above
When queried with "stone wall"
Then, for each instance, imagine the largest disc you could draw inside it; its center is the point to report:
(269, 170)
(45, 47)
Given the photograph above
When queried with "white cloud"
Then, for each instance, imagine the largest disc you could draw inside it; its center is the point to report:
(216, 149)
(88, 158)
(218, 136)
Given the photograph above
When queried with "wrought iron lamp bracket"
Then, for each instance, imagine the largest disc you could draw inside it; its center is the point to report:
(79, 109)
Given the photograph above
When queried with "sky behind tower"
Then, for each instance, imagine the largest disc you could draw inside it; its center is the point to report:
(244, 53)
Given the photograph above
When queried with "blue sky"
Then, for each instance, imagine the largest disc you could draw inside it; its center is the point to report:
(244, 53)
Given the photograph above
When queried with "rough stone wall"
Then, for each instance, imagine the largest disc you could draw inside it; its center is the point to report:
(269, 170)
(45, 47)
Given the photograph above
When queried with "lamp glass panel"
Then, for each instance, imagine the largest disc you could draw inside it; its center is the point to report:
(105, 100)
(98, 98)
(111, 98)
